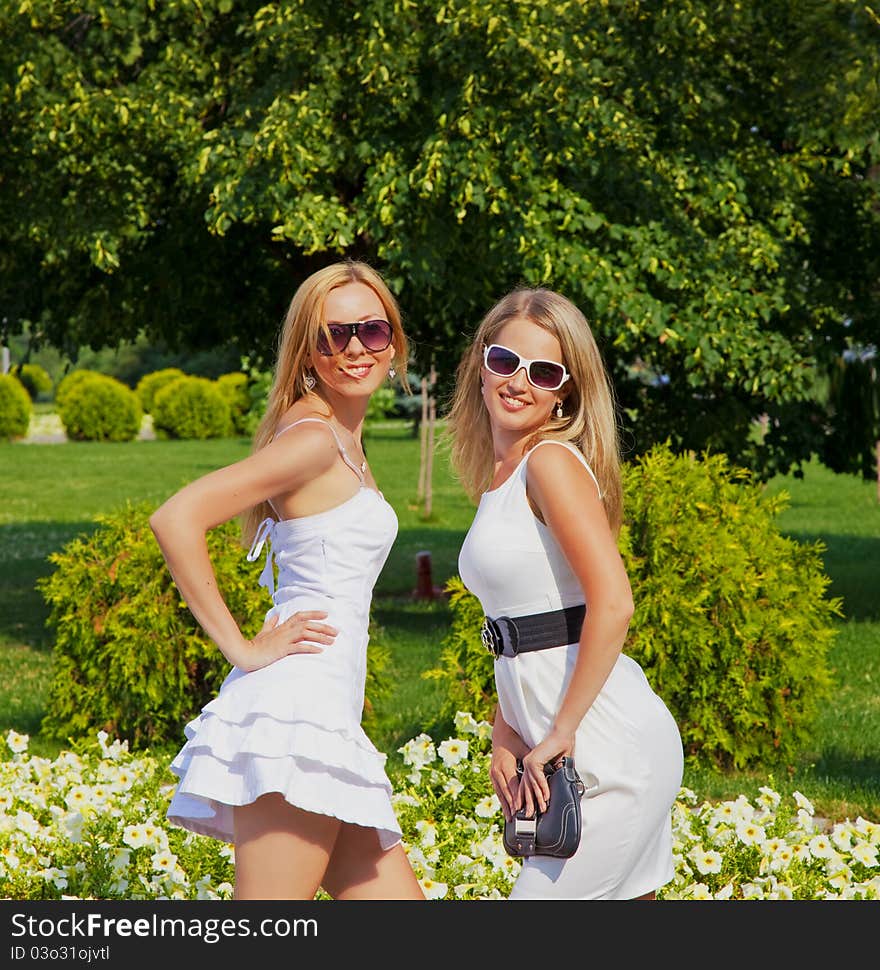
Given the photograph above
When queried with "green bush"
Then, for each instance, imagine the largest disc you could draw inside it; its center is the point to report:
(15, 408)
(234, 387)
(36, 379)
(150, 384)
(129, 657)
(67, 383)
(191, 407)
(99, 408)
(732, 622)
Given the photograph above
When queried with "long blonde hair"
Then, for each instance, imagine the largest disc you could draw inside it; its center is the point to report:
(298, 342)
(589, 419)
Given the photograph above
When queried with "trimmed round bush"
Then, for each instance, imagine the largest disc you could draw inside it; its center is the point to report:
(149, 384)
(732, 621)
(36, 379)
(191, 407)
(129, 658)
(100, 408)
(69, 382)
(15, 408)
(234, 387)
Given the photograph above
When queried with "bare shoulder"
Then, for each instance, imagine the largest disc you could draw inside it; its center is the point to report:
(555, 467)
(311, 441)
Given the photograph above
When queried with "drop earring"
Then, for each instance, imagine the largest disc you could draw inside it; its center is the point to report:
(309, 382)
(559, 409)
(392, 373)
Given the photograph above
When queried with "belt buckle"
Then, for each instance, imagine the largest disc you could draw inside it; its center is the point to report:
(490, 637)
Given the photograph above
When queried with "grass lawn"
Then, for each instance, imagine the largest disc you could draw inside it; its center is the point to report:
(49, 493)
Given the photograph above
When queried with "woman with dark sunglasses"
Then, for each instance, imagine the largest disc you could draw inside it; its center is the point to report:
(278, 763)
(534, 440)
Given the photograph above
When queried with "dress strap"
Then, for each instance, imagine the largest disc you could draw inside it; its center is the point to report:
(354, 467)
(263, 537)
(575, 451)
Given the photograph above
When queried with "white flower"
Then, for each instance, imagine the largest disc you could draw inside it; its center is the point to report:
(419, 751)
(821, 848)
(700, 891)
(706, 861)
(17, 743)
(865, 853)
(752, 890)
(465, 723)
(781, 858)
(768, 797)
(725, 892)
(433, 890)
(804, 803)
(488, 806)
(402, 798)
(453, 787)
(841, 837)
(164, 861)
(484, 730)
(750, 833)
(427, 831)
(134, 836)
(452, 751)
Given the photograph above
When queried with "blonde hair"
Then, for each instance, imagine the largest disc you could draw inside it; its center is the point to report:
(589, 418)
(298, 342)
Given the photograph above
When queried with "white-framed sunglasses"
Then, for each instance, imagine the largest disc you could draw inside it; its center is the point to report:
(546, 375)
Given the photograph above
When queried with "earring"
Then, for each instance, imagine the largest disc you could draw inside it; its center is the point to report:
(559, 409)
(392, 373)
(309, 381)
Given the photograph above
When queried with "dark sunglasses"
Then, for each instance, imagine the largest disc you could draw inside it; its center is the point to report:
(546, 375)
(374, 335)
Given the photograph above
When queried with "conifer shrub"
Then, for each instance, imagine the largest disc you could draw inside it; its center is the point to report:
(148, 386)
(15, 408)
(191, 407)
(69, 382)
(129, 657)
(97, 407)
(34, 377)
(733, 623)
(234, 387)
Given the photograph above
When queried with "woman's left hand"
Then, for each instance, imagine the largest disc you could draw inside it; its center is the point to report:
(534, 789)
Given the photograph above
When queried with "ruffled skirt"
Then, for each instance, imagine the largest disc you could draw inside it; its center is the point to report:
(292, 727)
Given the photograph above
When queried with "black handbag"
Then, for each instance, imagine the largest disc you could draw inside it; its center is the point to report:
(557, 831)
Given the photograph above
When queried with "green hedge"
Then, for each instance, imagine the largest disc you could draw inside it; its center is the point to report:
(129, 657)
(732, 621)
(148, 386)
(36, 379)
(234, 387)
(15, 408)
(99, 408)
(191, 407)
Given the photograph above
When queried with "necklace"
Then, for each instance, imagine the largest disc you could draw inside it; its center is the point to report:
(356, 448)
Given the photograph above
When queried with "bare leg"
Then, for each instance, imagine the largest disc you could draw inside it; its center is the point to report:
(651, 895)
(361, 869)
(281, 851)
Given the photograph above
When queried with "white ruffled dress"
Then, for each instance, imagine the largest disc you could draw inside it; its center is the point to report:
(294, 727)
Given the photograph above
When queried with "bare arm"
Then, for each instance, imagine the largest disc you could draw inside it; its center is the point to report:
(181, 525)
(566, 496)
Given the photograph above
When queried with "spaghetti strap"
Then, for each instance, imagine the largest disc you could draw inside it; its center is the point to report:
(575, 451)
(357, 470)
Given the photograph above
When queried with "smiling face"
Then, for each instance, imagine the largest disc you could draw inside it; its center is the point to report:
(355, 371)
(517, 408)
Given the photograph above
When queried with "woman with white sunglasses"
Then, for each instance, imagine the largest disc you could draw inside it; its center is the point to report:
(278, 763)
(534, 441)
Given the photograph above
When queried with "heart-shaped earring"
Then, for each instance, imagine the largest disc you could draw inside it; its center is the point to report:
(309, 381)
(392, 373)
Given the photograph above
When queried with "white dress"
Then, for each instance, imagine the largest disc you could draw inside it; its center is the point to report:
(628, 749)
(294, 726)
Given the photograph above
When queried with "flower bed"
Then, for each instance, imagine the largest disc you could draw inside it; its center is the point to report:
(91, 825)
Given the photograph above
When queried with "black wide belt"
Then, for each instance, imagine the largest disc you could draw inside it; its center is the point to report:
(506, 636)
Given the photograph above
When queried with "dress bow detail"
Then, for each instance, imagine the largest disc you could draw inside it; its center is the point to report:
(262, 538)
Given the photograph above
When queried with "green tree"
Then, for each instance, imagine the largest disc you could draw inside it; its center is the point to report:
(701, 178)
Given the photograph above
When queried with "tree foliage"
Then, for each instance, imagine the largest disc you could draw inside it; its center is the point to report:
(701, 178)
